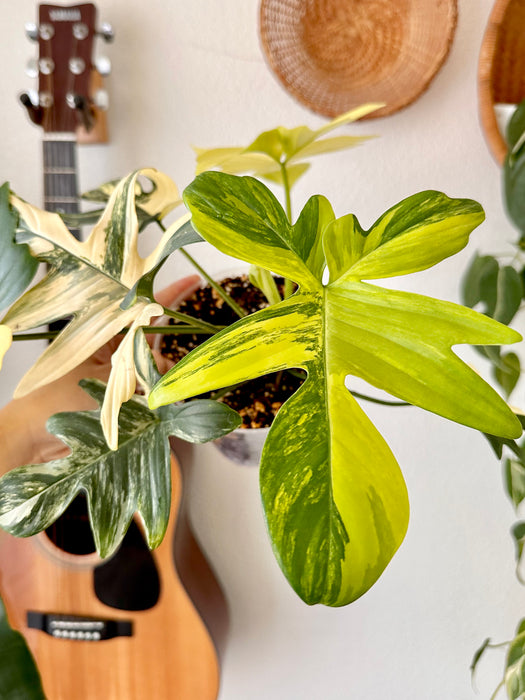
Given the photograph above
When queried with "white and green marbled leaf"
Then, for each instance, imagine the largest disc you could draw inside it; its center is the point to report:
(117, 484)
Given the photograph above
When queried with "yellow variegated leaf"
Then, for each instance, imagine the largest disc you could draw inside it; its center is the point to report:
(334, 498)
(272, 150)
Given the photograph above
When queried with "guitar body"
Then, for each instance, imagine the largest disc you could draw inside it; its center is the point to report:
(169, 655)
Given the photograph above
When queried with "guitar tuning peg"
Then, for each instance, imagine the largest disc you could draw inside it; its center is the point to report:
(34, 111)
(103, 65)
(32, 68)
(101, 100)
(106, 32)
(31, 31)
(84, 111)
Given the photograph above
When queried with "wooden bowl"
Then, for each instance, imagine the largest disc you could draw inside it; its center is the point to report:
(501, 73)
(333, 55)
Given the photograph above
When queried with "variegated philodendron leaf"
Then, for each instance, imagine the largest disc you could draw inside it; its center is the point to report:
(515, 665)
(19, 677)
(136, 478)
(88, 283)
(334, 497)
(17, 266)
(272, 150)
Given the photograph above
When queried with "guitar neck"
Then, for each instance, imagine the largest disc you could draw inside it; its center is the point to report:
(60, 175)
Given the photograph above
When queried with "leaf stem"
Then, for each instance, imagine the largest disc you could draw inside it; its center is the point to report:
(203, 325)
(47, 335)
(495, 693)
(382, 402)
(288, 284)
(180, 329)
(220, 291)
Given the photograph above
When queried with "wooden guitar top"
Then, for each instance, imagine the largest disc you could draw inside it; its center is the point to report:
(169, 655)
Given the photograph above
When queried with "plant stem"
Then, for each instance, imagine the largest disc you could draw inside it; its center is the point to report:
(203, 325)
(47, 335)
(288, 284)
(495, 693)
(382, 402)
(220, 291)
(180, 330)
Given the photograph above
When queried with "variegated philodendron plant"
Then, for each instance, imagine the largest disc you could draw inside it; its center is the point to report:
(334, 497)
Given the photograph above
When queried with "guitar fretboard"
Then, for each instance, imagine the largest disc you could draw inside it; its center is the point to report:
(60, 175)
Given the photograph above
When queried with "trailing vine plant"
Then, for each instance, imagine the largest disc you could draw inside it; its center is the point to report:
(496, 285)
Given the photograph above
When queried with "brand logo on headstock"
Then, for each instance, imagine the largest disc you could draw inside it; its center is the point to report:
(66, 15)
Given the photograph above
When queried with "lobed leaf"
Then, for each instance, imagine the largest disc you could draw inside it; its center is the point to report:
(91, 282)
(117, 484)
(334, 498)
(273, 149)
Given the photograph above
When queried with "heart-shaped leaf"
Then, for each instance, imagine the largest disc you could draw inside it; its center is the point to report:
(136, 478)
(334, 497)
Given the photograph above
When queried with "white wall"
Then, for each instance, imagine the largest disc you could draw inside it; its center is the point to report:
(193, 73)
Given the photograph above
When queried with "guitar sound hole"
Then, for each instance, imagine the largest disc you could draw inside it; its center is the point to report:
(129, 580)
(72, 532)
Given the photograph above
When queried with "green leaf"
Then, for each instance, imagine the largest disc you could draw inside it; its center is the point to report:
(515, 668)
(478, 654)
(89, 281)
(19, 677)
(480, 283)
(136, 478)
(514, 169)
(507, 372)
(17, 266)
(334, 497)
(514, 470)
(518, 534)
(509, 294)
(516, 126)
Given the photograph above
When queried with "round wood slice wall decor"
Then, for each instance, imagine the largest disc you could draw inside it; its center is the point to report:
(333, 55)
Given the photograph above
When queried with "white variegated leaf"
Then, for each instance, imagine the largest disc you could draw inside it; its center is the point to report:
(122, 380)
(89, 280)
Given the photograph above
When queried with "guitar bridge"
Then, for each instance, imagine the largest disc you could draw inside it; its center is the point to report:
(78, 628)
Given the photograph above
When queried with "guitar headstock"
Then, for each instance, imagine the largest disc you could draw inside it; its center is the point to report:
(65, 67)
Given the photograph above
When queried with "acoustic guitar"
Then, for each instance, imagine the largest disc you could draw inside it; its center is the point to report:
(131, 627)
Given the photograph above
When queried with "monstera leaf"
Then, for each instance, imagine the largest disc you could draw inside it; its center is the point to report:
(19, 678)
(136, 478)
(334, 497)
(88, 283)
(280, 147)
